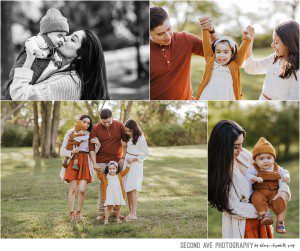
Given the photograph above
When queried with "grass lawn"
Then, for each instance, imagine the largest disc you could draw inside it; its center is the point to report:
(292, 217)
(251, 84)
(173, 203)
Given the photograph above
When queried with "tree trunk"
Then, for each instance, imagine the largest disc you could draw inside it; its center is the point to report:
(47, 153)
(54, 128)
(36, 152)
(43, 127)
(122, 107)
(7, 52)
(127, 111)
(46, 108)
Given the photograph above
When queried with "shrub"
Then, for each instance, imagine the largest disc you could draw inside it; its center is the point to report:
(17, 136)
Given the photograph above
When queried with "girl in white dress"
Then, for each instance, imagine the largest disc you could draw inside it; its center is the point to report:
(112, 189)
(282, 67)
(137, 152)
(222, 78)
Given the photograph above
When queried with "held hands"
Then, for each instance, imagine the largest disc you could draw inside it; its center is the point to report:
(121, 162)
(249, 32)
(206, 23)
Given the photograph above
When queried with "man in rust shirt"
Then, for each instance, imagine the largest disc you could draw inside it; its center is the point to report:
(109, 132)
(170, 57)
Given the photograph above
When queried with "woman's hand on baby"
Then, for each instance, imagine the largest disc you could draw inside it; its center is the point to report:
(282, 194)
(286, 179)
(249, 32)
(206, 23)
(40, 54)
(29, 59)
(75, 150)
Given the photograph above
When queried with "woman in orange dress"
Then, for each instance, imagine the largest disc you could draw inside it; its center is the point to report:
(228, 189)
(78, 178)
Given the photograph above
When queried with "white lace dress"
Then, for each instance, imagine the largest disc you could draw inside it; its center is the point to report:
(134, 178)
(114, 196)
(220, 85)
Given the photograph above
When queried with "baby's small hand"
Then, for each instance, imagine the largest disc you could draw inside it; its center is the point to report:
(257, 179)
(286, 179)
(40, 54)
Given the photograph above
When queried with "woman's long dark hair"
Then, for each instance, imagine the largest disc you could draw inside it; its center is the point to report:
(90, 67)
(288, 32)
(136, 130)
(82, 117)
(220, 162)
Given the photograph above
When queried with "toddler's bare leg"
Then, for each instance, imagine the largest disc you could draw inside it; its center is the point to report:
(118, 211)
(281, 216)
(107, 213)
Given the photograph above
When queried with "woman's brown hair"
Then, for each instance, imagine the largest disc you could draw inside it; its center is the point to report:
(288, 32)
(135, 129)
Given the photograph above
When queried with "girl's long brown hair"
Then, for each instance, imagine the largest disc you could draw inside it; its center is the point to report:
(288, 32)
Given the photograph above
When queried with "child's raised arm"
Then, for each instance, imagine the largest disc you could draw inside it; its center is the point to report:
(243, 49)
(207, 49)
(249, 30)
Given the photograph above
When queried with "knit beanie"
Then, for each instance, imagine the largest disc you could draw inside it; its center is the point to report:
(53, 21)
(263, 146)
(79, 125)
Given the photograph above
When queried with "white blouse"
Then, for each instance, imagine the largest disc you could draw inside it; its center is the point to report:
(274, 87)
(139, 150)
(220, 85)
(84, 145)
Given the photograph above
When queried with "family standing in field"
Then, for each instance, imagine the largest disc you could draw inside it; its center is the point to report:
(116, 152)
(170, 62)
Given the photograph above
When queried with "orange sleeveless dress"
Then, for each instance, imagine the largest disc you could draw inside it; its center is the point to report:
(84, 170)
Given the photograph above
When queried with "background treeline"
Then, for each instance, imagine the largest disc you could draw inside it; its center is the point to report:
(43, 124)
(232, 21)
(276, 121)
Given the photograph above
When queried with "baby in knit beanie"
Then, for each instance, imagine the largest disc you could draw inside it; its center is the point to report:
(53, 28)
(264, 176)
(79, 135)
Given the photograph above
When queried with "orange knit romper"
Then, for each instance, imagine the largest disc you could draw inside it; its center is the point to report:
(262, 197)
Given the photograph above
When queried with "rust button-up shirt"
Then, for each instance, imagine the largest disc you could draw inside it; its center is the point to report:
(110, 139)
(170, 77)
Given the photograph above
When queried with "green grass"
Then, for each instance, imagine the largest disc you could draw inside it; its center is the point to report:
(171, 205)
(251, 84)
(292, 217)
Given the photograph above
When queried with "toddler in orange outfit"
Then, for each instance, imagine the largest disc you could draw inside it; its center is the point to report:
(264, 176)
(222, 78)
(113, 192)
